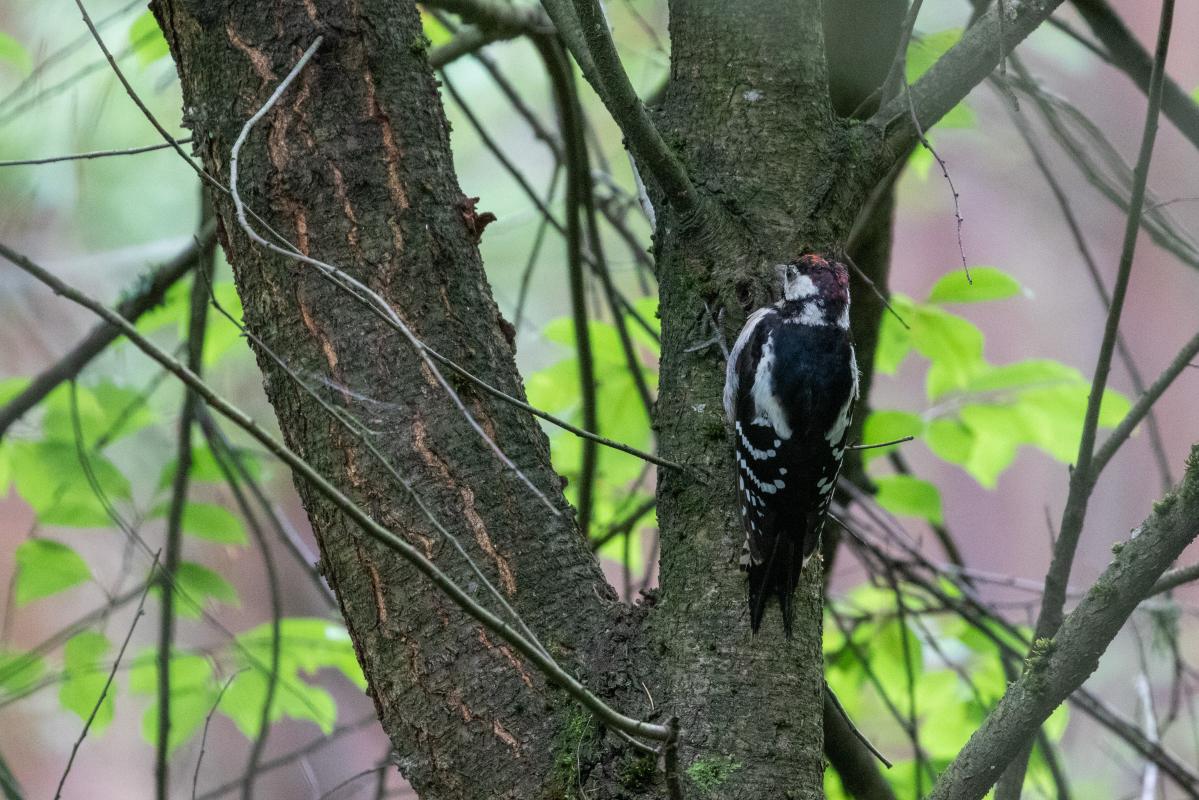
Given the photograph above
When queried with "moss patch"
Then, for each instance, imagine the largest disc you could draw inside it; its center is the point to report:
(708, 774)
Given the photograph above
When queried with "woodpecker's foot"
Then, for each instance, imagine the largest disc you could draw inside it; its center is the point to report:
(713, 322)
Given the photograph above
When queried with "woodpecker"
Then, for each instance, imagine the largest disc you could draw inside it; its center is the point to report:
(790, 387)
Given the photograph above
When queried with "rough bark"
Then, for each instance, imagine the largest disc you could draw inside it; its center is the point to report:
(353, 165)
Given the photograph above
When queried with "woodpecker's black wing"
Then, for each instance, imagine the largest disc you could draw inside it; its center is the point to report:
(789, 392)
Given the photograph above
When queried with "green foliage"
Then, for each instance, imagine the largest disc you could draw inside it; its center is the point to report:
(195, 585)
(983, 413)
(206, 521)
(193, 692)
(85, 676)
(947, 670)
(45, 568)
(709, 774)
(984, 283)
(911, 497)
(887, 426)
(19, 671)
(621, 416)
(14, 53)
(306, 646)
(221, 337)
(205, 467)
(146, 39)
(50, 477)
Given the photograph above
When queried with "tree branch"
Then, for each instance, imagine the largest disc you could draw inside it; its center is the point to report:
(586, 34)
(962, 68)
(1126, 54)
(148, 294)
(1058, 666)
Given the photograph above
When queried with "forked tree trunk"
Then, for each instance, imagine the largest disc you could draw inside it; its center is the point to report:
(353, 166)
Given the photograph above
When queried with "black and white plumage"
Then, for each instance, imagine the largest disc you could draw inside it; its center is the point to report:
(789, 392)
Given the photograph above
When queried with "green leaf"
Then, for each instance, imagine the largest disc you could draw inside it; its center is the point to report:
(910, 497)
(950, 440)
(886, 426)
(222, 337)
(15, 53)
(605, 340)
(193, 693)
(925, 48)
(647, 309)
(206, 521)
(305, 645)
(894, 340)
(206, 469)
(309, 644)
(986, 283)
(998, 432)
(86, 676)
(146, 39)
(920, 162)
(952, 344)
(50, 477)
(245, 697)
(196, 585)
(45, 568)
(1027, 374)
(19, 671)
(104, 410)
(887, 651)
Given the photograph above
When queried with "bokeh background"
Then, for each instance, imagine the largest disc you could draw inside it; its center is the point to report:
(101, 223)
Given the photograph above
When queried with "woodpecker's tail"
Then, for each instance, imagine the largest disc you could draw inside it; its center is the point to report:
(778, 575)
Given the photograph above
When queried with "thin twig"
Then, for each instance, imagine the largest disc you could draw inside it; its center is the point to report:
(588, 38)
(577, 183)
(148, 294)
(93, 154)
(957, 210)
(207, 721)
(880, 444)
(226, 458)
(874, 288)
(108, 683)
(899, 64)
(369, 720)
(1144, 404)
(1082, 479)
(197, 327)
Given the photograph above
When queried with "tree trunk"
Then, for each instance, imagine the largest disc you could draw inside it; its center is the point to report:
(353, 166)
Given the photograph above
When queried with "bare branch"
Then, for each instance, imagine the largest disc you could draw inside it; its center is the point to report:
(962, 68)
(1059, 665)
(585, 31)
(1082, 479)
(93, 154)
(146, 296)
(1126, 53)
(107, 684)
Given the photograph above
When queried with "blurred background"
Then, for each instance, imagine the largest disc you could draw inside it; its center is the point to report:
(102, 222)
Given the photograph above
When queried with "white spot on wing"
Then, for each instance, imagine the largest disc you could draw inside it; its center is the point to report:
(731, 382)
(764, 400)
